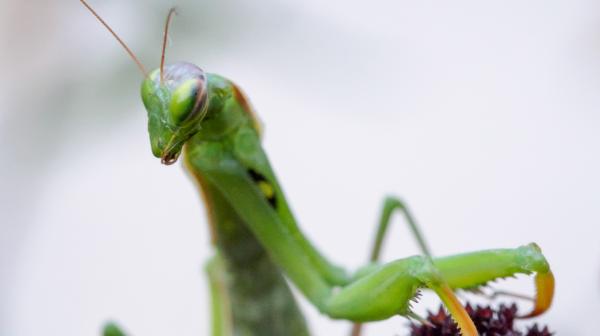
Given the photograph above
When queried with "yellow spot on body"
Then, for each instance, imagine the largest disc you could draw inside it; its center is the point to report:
(266, 189)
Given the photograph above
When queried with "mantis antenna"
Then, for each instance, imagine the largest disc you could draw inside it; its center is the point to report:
(164, 46)
(131, 54)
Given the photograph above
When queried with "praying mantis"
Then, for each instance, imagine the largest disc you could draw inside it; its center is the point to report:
(258, 244)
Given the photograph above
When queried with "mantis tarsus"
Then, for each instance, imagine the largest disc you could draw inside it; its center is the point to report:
(256, 237)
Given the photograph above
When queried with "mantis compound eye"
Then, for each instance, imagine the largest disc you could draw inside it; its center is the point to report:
(187, 84)
(187, 101)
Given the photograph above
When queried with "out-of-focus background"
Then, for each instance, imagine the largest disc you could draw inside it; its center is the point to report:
(484, 116)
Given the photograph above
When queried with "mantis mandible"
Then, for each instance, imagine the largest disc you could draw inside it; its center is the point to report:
(257, 241)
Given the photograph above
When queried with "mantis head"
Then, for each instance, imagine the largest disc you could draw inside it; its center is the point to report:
(175, 97)
(176, 100)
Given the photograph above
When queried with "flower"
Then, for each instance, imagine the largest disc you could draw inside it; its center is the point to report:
(489, 322)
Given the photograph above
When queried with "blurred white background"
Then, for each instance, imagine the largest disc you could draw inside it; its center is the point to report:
(484, 116)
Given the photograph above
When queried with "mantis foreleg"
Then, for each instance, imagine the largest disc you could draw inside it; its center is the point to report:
(377, 291)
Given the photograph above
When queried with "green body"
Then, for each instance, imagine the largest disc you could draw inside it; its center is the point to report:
(257, 238)
(258, 244)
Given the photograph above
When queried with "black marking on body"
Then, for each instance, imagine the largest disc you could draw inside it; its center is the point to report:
(265, 186)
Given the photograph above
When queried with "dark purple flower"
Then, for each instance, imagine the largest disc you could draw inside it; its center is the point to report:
(489, 322)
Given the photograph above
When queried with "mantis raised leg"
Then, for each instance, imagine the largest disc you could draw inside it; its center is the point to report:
(390, 205)
(258, 242)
